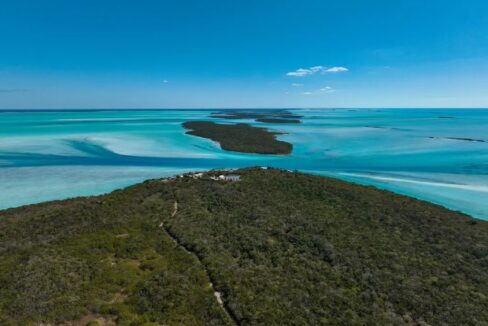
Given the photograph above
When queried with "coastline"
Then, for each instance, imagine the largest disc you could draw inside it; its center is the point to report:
(217, 238)
(66, 155)
(189, 173)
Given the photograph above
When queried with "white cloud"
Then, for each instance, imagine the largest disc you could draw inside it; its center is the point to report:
(315, 69)
(301, 72)
(307, 93)
(165, 81)
(297, 85)
(337, 69)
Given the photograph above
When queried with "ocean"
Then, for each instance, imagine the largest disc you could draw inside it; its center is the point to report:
(438, 155)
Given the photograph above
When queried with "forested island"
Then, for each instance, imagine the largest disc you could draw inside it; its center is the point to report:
(268, 248)
(262, 115)
(239, 137)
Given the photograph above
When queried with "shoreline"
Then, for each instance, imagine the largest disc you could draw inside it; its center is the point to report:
(201, 235)
(230, 171)
(38, 163)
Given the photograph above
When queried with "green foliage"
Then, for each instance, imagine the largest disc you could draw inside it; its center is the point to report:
(281, 248)
(65, 260)
(93, 323)
(50, 283)
(239, 137)
(293, 249)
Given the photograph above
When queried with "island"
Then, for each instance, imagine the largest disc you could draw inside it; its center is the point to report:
(239, 137)
(277, 120)
(271, 116)
(256, 246)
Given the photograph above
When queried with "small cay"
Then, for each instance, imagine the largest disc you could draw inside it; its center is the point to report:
(267, 116)
(240, 137)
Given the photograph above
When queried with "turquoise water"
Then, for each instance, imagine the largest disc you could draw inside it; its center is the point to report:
(428, 154)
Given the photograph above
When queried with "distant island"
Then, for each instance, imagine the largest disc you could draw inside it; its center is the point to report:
(277, 120)
(268, 116)
(256, 246)
(239, 137)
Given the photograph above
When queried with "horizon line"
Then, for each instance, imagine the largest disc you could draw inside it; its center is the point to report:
(238, 108)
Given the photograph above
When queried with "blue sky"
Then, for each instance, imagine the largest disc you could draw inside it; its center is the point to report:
(220, 53)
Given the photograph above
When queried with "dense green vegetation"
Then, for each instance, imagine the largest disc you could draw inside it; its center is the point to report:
(63, 261)
(282, 248)
(239, 137)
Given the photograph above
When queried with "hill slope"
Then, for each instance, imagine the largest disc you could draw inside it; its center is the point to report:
(275, 248)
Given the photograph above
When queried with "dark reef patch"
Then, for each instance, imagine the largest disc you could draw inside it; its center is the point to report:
(277, 120)
(460, 139)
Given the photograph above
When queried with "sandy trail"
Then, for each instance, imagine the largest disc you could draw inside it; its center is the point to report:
(217, 294)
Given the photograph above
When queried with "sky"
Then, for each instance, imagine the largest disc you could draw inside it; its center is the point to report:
(62, 54)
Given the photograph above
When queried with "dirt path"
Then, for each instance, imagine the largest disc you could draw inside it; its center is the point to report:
(218, 296)
(175, 208)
